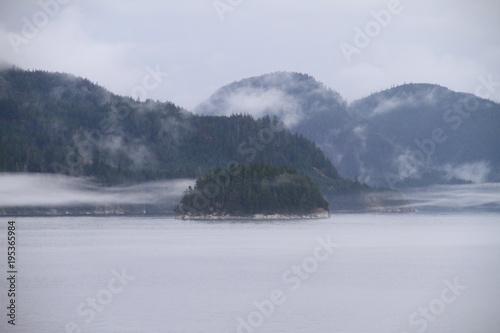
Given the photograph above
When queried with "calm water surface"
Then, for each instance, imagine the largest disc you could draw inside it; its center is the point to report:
(388, 273)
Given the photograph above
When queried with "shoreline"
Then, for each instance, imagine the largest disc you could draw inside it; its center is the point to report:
(138, 210)
(317, 215)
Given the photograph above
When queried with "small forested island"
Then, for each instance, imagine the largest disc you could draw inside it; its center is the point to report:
(258, 191)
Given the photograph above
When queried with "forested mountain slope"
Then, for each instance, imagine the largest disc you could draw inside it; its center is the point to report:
(58, 123)
(409, 135)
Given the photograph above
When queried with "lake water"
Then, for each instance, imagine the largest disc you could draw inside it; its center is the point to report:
(422, 272)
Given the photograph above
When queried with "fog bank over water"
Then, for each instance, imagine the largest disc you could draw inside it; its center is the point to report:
(455, 196)
(28, 190)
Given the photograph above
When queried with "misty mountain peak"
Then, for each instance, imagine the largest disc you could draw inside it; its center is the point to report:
(293, 97)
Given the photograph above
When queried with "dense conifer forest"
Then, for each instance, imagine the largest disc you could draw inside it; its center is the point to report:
(257, 188)
(61, 124)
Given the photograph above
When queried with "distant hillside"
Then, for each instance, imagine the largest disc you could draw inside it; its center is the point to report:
(423, 134)
(58, 123)
(384, 139)
(305, 105)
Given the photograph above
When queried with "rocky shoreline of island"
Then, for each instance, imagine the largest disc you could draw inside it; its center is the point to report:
(318, 214)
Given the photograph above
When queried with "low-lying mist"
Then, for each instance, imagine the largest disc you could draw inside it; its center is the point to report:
(40, 190)
(466, 196)
(49, 190)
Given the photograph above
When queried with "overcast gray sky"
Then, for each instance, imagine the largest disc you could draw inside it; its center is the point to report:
(205, 44)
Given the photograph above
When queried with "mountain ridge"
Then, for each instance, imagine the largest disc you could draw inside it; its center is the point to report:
(58, 123)
(386, 138)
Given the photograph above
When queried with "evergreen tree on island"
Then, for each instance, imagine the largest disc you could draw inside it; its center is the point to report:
(254, 189)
